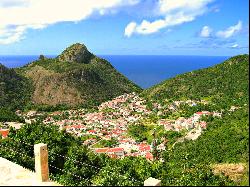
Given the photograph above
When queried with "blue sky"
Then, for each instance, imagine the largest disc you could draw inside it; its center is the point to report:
(125, 27)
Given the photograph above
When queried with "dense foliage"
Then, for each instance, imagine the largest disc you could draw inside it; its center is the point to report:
(140, 132)
(80, 166)
(15, 90)
(226, 140)
(7, 115)
(224, 85)
(106, 143)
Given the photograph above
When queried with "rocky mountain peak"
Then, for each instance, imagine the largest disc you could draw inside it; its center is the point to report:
(76, 53)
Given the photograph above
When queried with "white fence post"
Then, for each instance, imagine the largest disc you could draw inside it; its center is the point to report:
(152, 182)
(41, 162)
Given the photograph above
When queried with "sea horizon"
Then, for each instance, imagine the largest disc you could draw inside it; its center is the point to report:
(143, 70)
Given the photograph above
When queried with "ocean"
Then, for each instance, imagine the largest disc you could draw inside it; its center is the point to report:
(144, 70)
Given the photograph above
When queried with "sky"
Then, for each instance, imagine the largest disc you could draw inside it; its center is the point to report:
(125, 27)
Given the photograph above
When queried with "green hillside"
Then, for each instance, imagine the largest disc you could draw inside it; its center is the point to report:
(225, 142)
(225, 84)
(15, 90)
(76, 77)
(218, 157)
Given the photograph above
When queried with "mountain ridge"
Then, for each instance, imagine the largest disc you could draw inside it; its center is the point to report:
(75, 77)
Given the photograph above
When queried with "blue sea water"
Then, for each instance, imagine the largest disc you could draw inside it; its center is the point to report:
(144, 70)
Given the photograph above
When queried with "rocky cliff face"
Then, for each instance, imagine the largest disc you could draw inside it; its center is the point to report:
(76, 53)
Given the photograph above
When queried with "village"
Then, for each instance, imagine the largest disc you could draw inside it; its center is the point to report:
(111, 121)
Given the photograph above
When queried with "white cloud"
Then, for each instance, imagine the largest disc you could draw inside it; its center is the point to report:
(10, 35)
(235, 46)
(16, 16)
(230, 31)
(206, 32)
(174, 12)
(130, 29)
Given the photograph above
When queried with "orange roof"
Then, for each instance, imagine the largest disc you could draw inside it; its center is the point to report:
(149, 155)
(142, 144)
(4, 132)
(115, 149)
(101, 150)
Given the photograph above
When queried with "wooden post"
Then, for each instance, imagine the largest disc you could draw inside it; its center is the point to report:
(41, 162)
(152, 182)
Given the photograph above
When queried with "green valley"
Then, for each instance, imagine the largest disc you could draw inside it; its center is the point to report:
(192, 129)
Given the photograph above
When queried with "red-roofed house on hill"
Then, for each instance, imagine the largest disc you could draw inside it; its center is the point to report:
(118, 151)
(144, 147)
(101, 150)
(203, 113)
(92, 132)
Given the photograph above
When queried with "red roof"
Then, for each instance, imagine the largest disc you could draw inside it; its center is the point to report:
(108, 150)
(142, 144)
(78, 126)
(115, 149)
(92, 131)
(149, 156)
(203, 112)
(206, 112)
(74, 126)
(144, 148)
(101, 150)
(4, 132)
